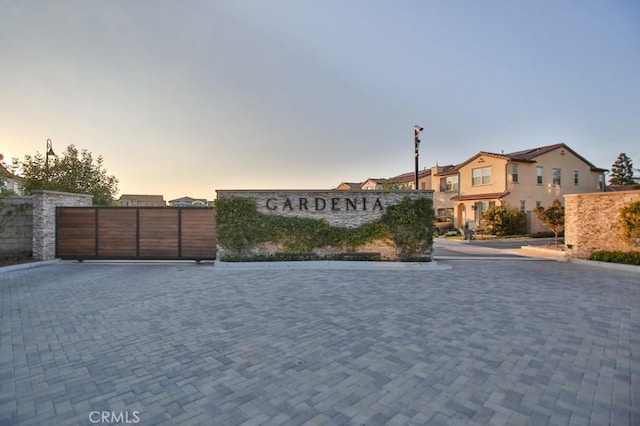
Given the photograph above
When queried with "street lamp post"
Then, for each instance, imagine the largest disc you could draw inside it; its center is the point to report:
(416, 132)
(49, 153)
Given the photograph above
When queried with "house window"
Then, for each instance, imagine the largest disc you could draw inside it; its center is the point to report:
(481, 176)
(538, 203)
(423, 185)
(601, 181)
(576, 177)
(449, 184)
(522, 206)
(556, 177)
(514, 173)
(539, 175)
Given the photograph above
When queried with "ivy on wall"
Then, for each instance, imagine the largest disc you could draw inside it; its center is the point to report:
(241, 227)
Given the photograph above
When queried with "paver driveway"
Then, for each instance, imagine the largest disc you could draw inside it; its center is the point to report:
(486, 342)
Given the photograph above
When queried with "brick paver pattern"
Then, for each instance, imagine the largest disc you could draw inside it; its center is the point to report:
(487, 342)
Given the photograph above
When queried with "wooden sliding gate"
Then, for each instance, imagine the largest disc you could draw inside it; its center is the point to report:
(146, 233)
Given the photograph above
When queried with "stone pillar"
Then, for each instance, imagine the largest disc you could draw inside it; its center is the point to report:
(44, 219)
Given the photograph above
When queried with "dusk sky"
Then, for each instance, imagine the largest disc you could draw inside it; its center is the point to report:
(186, 97)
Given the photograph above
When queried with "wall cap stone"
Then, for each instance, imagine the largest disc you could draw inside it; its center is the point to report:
(340, 191)
(601, 194)
(46, 192)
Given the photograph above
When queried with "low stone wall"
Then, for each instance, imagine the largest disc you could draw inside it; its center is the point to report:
(338, 208)
(44, 219)
(16, 219)
(591, 222)
(350, 209)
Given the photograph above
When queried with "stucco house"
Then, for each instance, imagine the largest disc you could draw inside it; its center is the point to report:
(130, 200)
(349, 186)
(523, 179)
(403, 181)
(8, 180)
(188, 202)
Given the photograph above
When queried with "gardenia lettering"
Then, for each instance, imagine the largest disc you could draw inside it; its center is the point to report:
(335, 204)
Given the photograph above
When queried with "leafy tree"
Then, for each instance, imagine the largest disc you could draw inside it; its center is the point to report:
(622, 171)
(5, 213)
(552, 217)
(630, 223)
(504, 220)
(75, 171)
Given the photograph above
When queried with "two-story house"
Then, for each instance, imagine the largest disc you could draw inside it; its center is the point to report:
(523, 179)
(142, 201)
(403, 181)
(8, 180)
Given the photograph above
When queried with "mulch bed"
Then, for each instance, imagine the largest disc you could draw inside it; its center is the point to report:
(14, 260)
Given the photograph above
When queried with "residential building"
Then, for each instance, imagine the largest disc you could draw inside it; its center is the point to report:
(403, 181)
(373, 183)
(142, 201)
(347, 186)
(523, 179)
(445, 184)
(8, 180)
(188, 202)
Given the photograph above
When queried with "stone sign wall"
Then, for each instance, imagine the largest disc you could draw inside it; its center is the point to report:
(343, 208)
(591, 222)
(349, 209)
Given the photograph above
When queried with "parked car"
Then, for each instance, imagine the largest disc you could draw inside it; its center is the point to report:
(444, 225)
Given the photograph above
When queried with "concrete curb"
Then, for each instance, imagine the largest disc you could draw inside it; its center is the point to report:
(334, 264)
(606, 265)
(28, 265)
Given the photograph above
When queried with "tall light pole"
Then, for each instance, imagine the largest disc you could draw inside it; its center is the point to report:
(416, 133)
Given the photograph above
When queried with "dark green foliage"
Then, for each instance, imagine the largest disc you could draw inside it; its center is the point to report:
(630, 223)
(240, 226)
(503, 220)
(293, 256)
(74, 171)
(410, 223)
(625, 257)
(622, 171)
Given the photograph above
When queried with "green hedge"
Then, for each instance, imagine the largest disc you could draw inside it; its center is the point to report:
(240, 227)
(626, 257)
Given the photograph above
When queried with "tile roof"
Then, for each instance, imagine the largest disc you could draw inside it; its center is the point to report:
(142, 197)
(485, 196)
(529, 155)
(410, 176)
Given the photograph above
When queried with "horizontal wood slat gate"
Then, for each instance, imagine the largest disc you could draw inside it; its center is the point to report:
(146, 233)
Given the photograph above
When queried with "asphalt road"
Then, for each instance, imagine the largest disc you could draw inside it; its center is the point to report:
(485, 248)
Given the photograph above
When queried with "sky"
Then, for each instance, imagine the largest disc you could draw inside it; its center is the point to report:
(182, 98)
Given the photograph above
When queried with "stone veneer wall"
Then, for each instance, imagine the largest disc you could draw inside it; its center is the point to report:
(44, 219)
(16, 235)
(337, 213)
(591, 222)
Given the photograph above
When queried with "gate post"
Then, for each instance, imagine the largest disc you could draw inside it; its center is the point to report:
(44, 218)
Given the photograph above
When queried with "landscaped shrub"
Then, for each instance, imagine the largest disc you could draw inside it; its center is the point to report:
(626, 257)
(503, 220)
